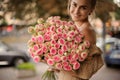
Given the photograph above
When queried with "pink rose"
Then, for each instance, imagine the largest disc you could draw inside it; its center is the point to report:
(71, 33)
(32, 55)
(58, 66)
(35, 47)
(53, 51)
(72, 61)
(64, 22)
(44, 49)
(59, 35)
(82, 47)
(46, 58)
(64, 36)
(39, 52)
(63, 58)
(81, 59)
(61, 41)
(59, 30)
(64, 47)
(33, 39)
(52, 28)
(64, 63)
(76, 65)
(53, 42)
(87, 44)
(60, 52)
(55, 37)
(56, 58)
(57, 46)
(69, 57)
(67, 68)
(50, 62)
(36, 59)
(78, 39)
(40, 39)
(84, 54)
(75, 56)
(48, 33)
(47, 37)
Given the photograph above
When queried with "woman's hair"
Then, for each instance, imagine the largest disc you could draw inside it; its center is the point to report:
(93, 3)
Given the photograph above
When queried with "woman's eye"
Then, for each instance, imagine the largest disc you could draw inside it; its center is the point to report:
(74, 5)
(84, 8)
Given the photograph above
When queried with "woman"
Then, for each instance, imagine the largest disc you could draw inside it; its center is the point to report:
(79, 11)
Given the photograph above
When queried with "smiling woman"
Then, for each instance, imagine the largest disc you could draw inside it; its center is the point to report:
(79, 11)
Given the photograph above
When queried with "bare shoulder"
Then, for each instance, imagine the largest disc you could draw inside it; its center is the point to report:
(90, 34)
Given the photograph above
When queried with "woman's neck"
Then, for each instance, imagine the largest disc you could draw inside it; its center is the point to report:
(81, 25)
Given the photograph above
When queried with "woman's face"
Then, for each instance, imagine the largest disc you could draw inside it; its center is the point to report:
(80, 9)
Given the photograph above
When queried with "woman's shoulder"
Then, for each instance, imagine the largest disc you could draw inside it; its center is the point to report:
(89, 33)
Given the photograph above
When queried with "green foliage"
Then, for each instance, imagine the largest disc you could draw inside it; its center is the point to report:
(26, 66)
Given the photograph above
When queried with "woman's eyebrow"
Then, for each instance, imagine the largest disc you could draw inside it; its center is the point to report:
(74, 2)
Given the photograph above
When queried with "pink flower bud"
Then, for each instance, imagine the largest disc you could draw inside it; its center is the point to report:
(56, 58)
(33, 39)
(67, 68)
(84, 54)
(53, 51)
(57, 46)
(64, 63)
(75, 56)
(50, 62)
(44, 49)
(61, 41)
(82, 47)
(40, 39)
(64, 36)
(81, 59)
(59, 35)
(58, 66)
(64, 47)
(87, 44)
(36, 59)
(35, 47)
(71, 33)
(47, 37)
(53, 42)
(78, 39)
(76, 66)
(55, 37)
(69, 57)
(52, 28)
(64, 58)
(60, 52)
(39, 52)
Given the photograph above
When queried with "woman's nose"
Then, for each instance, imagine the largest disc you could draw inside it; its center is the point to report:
(76, 11)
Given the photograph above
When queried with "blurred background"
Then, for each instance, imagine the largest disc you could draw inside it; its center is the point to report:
(17, 15)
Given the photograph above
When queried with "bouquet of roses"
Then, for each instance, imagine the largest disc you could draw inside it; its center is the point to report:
(57, 43)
